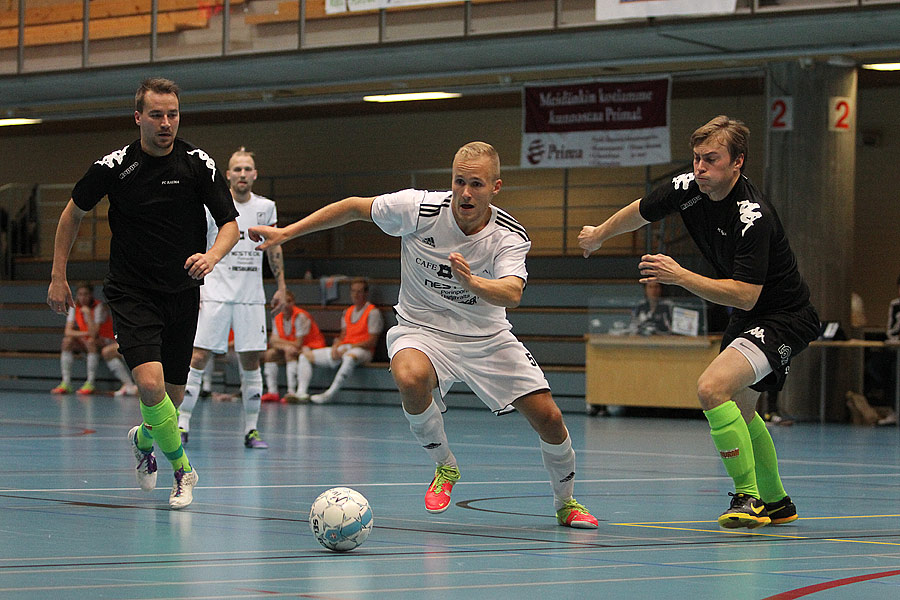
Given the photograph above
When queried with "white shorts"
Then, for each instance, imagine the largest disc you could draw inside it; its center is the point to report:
(499, 369)
(217, 318)
(322, 356)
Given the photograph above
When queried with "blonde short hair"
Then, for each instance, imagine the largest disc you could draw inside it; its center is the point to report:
(477, 150)
(733, 134)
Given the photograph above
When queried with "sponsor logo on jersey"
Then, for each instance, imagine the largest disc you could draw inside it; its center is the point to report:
(236, 268)
(127, 171)
(690, 202)
(721, 231)
(170, 182)
(445, 272)
(261, 218)
(113, 158)
(429, 241)
(784, 351)
(749, 214)
(759, 333)
(681, 182)
(210, 163)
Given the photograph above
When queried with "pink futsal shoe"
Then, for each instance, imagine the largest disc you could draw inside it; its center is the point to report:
(437, 498)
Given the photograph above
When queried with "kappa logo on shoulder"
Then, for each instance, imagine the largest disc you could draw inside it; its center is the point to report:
(681, 182)
(113, 158)
(210, 163)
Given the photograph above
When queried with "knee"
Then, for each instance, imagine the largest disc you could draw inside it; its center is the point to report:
(150, 388)
(199, 358)
(711, 392)
(412, 381)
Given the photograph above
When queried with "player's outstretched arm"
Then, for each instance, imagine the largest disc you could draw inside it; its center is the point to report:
(626, 219)
(200, 265)
(59, 294)
(727, 292)
(339, 213)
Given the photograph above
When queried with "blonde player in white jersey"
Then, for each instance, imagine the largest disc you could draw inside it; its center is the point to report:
(462, 266)
(234, 299)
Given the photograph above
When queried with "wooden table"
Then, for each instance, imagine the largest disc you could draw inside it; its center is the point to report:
(658, 370)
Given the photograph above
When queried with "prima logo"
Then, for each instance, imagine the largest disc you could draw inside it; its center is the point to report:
(536, 151)
(759, 333)
(683, 181)
(749, 214)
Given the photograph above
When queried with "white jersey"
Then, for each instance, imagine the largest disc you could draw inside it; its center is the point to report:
(238, 276)
(429, 294)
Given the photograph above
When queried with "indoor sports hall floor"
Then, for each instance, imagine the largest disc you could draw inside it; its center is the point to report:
(74, 525)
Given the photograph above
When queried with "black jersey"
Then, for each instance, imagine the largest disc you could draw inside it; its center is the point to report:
(156, 211)
(741, 236)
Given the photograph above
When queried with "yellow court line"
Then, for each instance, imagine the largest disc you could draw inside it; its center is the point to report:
(666, 525)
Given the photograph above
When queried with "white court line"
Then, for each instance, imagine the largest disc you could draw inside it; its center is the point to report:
(330, 484)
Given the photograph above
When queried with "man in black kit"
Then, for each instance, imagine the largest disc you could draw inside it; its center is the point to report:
(157, 187)
(740, 235)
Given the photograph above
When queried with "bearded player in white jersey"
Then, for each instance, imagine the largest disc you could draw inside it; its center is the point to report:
(462, 266)
(234, 299)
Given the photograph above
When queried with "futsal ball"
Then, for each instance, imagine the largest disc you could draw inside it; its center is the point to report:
(341, 519)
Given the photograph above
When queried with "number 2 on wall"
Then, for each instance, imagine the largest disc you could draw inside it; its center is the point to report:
(840, 113)
(781, 113)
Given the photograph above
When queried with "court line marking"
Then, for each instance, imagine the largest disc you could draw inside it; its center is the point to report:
(668, 526)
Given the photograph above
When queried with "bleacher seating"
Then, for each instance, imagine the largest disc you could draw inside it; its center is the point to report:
(551, 321)
(63, 23)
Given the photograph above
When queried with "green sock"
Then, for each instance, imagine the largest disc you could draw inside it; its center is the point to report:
(767, 478)
(144, 437)
(732, 440)
(162, 421)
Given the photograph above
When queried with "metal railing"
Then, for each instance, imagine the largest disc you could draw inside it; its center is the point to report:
(553, 208)
(228, 34)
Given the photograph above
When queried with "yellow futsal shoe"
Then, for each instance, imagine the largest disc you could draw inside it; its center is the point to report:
(745, 511)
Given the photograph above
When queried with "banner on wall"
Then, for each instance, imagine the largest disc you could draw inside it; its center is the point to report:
(339, 6)
(596, 124)
(611, 10)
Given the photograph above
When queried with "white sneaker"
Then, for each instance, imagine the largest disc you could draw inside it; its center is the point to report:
(183, 489)
(146, 463)
(320, 398)
(126, 390)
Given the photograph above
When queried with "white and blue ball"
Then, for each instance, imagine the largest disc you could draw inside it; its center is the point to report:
(341, 519)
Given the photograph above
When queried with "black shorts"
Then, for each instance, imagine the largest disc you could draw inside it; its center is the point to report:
(780, 336)
(153, 326)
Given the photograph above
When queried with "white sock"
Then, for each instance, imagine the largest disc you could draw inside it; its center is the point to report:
(343, 372)
(251, 394)
(428, 427)
(304, 374)
(559, 460)
(118, 368)
(93, 361)
(207, 375)
(191, 393)
(66, 359)
(271, 369)
(291, 368)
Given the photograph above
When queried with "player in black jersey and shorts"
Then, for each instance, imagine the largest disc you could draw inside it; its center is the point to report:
(157, 188)
(739, 234)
